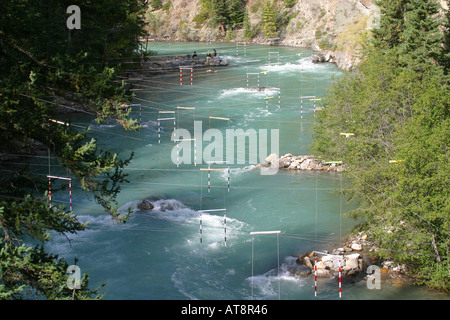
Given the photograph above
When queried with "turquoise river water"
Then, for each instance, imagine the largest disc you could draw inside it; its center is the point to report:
(175, 253)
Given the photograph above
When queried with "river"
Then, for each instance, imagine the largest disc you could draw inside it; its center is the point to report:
(173, 252)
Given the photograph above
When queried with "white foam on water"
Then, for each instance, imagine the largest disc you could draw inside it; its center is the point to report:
(150, 124)
(105, 126)
(95, 225)
(234, 92)
(173, 210)
(303, 64)
(236, 173)
(179, 285)
(213, 223)
(265, 286)
(238, 59)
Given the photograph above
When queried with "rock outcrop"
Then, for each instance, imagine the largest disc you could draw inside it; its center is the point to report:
(302, 162)
(353, 259)
(334, 27)
(145, 205)
(164, 64)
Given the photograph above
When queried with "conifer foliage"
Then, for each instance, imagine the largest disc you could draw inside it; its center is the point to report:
(46, 66)
(397, 162)
(227, 14)
(269, 20)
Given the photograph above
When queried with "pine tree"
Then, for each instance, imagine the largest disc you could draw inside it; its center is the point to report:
(397, 106)
(445, 56)
(391, 23)
(412, 29)
(248, 30)
(421, 35)
(237, 13)
(269, 21)
(221, 14)
(45, 67)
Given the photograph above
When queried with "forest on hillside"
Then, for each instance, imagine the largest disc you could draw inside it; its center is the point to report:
(47, 68)
(396, 109)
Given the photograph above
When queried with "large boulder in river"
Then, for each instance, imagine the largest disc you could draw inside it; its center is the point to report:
(300, 270)
(285, 162)
(272, 160)
(145, 205)
(351, 261)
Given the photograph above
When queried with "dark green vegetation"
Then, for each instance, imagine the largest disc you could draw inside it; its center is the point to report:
(43, 64)
(230, 15)
(396, 105)
(223, 13)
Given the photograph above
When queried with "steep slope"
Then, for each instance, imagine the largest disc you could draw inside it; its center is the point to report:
(333, 27)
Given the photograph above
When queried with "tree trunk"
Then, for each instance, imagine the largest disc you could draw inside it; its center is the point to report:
(222, 29)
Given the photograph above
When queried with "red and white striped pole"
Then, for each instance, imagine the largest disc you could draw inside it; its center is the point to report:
(181, 76)
(70, 195)
(192, 75)
(50, 189)
(340, 289)
(315, 277)
(49, 192)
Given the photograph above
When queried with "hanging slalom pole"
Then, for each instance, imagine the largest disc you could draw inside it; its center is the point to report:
(195, 141)
(224, 222)
(315, 108)
(162, 119)
(315, 277)
(225, 227)
(279, 97)
(201, 228)
(252, 73)
(311, 98)
(181, 74)
(195, 149)
(70, 195)
(340, 288)
(266, 76)
(219, 118)
(244, 45)
(59, 122)
(218, 169)
(50, 192)
(209, 174)
(278, 256)
(50, 189)
(301, 108)
(209, 178)
(278, 57)
(229, 177)
(267, 101)
(159, 131)
(217, 162)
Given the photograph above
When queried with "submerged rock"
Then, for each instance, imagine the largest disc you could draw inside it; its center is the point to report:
(145, 205)
(300, 270)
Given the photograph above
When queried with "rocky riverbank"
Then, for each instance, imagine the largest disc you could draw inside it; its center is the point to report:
(162, 64)
(302, 162)
(332, 27)
(354, 258)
